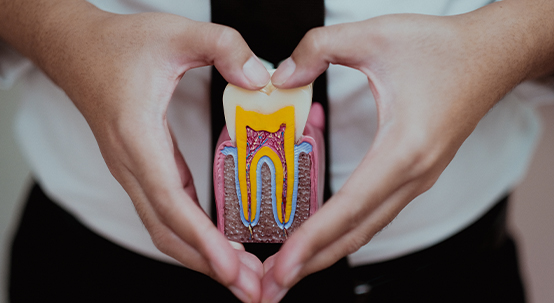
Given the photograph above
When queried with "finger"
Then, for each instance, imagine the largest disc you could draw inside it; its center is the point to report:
(167, 242)
(353, 239)
(274, 288)
(225, 48)
(204, 253)
(252, 262)
(382, 174)
(317, 49)
(152, 170)
(188, 248)
(164, 238)
(247, 287)
(269, 263)
(316, 117)
(272, 292)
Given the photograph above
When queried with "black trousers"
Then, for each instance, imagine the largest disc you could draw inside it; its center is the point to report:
(54, 258)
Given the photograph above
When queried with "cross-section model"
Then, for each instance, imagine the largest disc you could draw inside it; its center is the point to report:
(268, 167)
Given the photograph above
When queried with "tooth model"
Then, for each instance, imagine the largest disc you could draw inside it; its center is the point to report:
(267, 165)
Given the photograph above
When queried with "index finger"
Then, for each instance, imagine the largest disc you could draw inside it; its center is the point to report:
(377, 190)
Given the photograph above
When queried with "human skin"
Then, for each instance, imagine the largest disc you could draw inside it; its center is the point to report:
(120, 72)
(433, 79)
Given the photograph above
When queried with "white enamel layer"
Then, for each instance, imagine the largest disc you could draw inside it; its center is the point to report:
(267, 101)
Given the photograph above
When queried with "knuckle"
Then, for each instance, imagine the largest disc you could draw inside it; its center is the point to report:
(357, 241)
(226, 38)
(420, 156)
(160, 239)
(315, 40)
(432, 173)
(114, 166)
(428, 183)
(143, 214)
(161, 202)
(210, 272)
(423, 162)
(357, 214)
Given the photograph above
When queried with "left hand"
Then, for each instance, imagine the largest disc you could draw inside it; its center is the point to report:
(433, 79)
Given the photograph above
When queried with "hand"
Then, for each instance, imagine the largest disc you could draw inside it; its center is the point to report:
(120, 71)
(433, 79)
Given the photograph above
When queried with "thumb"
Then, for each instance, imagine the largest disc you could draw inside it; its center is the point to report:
(225, 48)
(337, 44)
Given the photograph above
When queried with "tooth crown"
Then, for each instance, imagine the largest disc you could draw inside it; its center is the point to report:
(267, 101)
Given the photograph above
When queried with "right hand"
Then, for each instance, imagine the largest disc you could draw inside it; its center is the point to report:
(120, 71)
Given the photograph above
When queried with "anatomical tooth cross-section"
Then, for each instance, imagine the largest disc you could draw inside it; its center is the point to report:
(267, 167)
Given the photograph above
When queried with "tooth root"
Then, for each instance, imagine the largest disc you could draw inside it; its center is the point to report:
(267, 101)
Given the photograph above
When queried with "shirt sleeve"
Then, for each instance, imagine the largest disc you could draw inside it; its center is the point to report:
(12, 66)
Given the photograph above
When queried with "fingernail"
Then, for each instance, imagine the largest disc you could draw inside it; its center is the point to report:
(273, 293)
(236, 245)
(240, 294)
(255, 71)
(284, 72)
